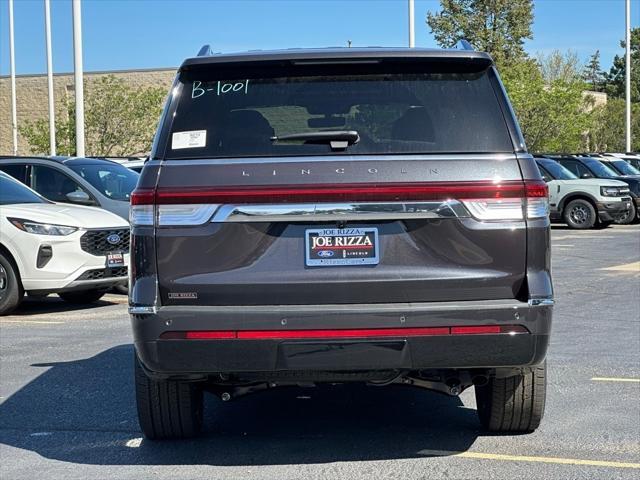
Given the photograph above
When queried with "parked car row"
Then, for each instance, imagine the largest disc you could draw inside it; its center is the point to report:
(63, 228)
(590, 190)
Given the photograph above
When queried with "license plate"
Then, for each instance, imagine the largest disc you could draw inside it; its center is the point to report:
(326, 247)
(115, 260)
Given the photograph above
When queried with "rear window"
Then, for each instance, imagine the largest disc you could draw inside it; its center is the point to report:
(423, 112)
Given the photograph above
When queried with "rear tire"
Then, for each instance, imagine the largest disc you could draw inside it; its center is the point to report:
(167, 409)
(580, 214)
(84, 296)
(11, 292)
(513, 404)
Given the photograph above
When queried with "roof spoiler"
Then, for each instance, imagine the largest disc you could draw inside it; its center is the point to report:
(464, 44)
(205, 51)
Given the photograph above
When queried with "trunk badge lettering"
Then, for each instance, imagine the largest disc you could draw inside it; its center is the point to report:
(183, 295)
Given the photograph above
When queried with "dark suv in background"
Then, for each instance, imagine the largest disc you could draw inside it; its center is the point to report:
(339, 215)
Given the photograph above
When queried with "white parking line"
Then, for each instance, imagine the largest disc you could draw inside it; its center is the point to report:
(530, 458)
(633, 267)
(615, 379)
(49, 322)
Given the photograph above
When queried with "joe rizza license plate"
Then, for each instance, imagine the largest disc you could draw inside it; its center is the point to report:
(325, 247)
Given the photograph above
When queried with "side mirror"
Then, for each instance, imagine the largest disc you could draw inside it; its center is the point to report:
(80, 197)
(586, 175)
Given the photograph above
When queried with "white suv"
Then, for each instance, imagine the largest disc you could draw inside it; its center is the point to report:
(583, 202)
(77, 252)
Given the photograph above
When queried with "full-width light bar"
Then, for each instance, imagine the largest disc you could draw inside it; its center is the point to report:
(342, 333)
(487, 201)
(341, 192)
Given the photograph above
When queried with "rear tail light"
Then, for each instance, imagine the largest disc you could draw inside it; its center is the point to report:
(534, 201)
(140, 215)
(145, 211)
(141, 211)
(485, 200)
(190, 214)
(495, 208)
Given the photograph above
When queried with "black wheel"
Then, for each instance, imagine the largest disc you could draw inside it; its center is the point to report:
(82, 296)
(167, 409)
(11, 292)
(628, 217)
(580, 214)
(513, 404)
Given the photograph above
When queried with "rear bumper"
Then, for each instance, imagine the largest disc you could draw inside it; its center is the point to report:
(187, 357)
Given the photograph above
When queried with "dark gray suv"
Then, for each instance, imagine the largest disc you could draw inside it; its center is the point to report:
(340, 215)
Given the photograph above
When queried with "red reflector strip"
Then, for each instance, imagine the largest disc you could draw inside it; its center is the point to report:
(340, 192)
(360, 333)
(475, 330)
(210, 335)
(343, 333)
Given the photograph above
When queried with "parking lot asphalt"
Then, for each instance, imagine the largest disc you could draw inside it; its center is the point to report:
(67, 403)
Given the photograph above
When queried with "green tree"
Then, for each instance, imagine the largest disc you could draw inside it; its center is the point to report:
(614, 82)
(37, 132)
(120, 120)
(607, 132)
(558, 66)
(553, 115)
(498, 27)
(592, 72)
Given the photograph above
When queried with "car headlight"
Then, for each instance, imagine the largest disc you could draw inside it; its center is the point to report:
(42, 228)
(614, 191)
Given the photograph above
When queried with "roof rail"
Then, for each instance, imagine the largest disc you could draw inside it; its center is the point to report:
(205, 51)
(463, 45)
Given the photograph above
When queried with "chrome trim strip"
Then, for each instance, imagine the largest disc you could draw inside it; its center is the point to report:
(340, 211)
(541, 302)
(143, 310)
(334, 158)
(464, 305)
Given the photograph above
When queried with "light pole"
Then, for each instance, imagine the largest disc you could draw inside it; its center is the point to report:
(628, 76)
(52, 120)
(12, 67)
(412, 31)
(77, 75)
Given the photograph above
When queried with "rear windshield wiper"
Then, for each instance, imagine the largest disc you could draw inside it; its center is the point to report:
(338, 139)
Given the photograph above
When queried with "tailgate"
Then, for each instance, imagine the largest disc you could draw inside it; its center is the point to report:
(396, 230)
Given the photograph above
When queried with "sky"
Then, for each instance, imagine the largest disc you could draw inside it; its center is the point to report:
(127, 34)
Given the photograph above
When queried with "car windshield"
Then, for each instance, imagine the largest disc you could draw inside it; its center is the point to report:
(112, 180)
(625, 168)
(600, 169)
(557, 171)
(377, 113)
(12, 192)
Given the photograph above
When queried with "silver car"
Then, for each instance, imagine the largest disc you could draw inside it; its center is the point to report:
(81, 181)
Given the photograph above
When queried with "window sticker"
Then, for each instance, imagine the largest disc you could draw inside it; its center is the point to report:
(190, 139)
